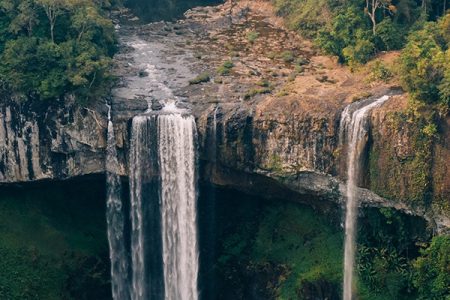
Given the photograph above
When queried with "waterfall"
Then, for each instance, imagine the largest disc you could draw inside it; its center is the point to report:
(178, 194)
(354, 130)
(115, 219)
(164, 250)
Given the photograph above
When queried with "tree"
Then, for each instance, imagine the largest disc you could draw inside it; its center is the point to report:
(372, 7)
(53, 9)
(424, 63)
(26, 18)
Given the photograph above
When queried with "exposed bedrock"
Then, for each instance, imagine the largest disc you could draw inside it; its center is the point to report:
(282, 143)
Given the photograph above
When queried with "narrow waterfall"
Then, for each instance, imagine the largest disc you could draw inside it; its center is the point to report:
(115, 219)
(354, 130)
(164, 248)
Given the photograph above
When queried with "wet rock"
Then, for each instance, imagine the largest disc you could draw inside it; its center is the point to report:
(156, 105)
(143, 73)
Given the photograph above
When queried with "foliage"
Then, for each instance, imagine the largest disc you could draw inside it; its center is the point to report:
(257, 91)
(53, 47)
(425, 62)
(225, 68)
(355, 31)
(379, 71)
(386, 246)
(432, 270)
(252, 36)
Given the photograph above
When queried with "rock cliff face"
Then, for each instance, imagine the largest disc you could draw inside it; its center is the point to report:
(269, 125)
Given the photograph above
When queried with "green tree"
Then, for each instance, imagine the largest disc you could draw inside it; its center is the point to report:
(424, 63)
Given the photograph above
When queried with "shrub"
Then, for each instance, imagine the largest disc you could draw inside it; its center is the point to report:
(225, 68)
(258, 91)
(252, 36)
(287, 56)
(379, 71)
(432, 270)
(203, 77)
(360, 53)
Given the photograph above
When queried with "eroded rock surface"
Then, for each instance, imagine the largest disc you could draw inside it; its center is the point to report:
(268, 125)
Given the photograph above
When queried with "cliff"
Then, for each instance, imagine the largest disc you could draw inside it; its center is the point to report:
(268, 123)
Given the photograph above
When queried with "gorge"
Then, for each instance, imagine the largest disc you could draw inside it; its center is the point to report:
(233, 165)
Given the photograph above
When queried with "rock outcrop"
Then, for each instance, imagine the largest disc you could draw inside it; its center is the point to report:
(268, 125)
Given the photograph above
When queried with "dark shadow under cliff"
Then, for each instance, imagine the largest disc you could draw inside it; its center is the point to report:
(53, 242)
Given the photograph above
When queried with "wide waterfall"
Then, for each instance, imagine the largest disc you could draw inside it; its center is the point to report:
(354, 130)
(164, 248)
(178, 194)
(116, 220)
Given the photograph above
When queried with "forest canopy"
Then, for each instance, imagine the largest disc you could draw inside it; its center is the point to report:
(49, 48)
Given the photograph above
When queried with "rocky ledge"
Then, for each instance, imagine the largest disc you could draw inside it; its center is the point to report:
(267, 107)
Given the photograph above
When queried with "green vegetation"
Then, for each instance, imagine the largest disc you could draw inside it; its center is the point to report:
(53, 242)
(286, 250)
(432, 270)
(379, 71)
(425, 63)
(257, 91)
(225, 68)
(203, 77)
(252, 36)
(356, 30)
(50, 48)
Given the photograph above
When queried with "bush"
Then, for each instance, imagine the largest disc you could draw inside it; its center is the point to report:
(203, 77)
(225, 68)
(287, 56)
(379, 71)
(432, 270)
(360, 53)
(252, 36)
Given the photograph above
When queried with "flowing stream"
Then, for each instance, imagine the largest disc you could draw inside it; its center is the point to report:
(115, 219)
(354, 130)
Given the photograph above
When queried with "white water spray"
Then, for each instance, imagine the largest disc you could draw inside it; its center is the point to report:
(354, 129)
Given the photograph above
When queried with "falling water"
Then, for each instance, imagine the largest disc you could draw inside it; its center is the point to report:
(178, 193)
(164, 248)
(146, 238)
(115, 220)
(354, 125)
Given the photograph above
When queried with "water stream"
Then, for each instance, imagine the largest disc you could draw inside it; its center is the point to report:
(354, 131)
